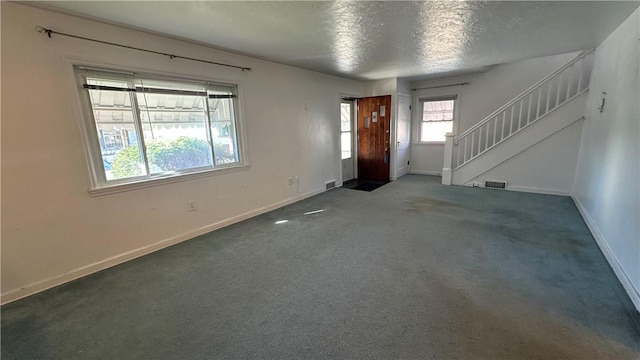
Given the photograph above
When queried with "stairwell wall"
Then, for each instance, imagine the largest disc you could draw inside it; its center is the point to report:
(547, 167)
(607, 183)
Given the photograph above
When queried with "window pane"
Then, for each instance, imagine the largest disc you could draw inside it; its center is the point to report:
(435, 131)
(148, 85)
(437, 110)
(175, 131)
(150, 127)
(345, 117)
(115, 128)
(345, 140)
(223, 126)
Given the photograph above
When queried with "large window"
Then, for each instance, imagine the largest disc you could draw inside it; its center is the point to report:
(146, 127)
(437, 119)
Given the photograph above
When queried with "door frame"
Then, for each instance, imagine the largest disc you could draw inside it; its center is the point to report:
(354, 135)
(410, 128)
(390, 133)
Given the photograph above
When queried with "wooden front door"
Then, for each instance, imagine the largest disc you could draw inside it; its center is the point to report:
(374, 119)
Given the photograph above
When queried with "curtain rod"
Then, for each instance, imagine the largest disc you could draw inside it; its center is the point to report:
(48, 32)
(441, 86)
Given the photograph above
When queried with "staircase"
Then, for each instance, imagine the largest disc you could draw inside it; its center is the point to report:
(550, 105)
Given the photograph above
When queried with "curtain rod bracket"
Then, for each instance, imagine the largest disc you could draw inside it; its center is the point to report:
(43, 30)
(48, 32)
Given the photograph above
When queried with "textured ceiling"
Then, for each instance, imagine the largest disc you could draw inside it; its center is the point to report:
(373, 40)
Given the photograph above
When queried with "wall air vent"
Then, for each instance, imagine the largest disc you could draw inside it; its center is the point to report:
(492, 184)
(330, 184)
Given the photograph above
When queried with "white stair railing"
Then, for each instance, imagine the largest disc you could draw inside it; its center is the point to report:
(548, 94)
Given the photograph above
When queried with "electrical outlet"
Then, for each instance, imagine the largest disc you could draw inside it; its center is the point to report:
(292, 181)
(191, 206)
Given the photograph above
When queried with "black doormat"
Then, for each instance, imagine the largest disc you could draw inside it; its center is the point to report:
(367, 186)
(363, 185)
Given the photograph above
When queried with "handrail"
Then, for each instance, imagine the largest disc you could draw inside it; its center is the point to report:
(531, 89)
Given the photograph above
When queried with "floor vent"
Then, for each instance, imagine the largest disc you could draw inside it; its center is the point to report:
(330, 184)
(495, 184)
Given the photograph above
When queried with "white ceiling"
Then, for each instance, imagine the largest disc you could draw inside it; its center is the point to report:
(373, 40)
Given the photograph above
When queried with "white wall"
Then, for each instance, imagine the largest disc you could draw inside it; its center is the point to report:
(380, 87)
(607, 185)
(403, 86)
(485, 93)
(547, 167)
(53, 231)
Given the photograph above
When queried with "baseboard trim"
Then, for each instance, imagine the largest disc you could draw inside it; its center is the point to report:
(526, 189)
(432, 173)
(42, 285)
(633, 293)
(538, 190)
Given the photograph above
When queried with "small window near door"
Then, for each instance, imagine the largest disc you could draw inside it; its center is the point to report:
(437, 119)
(345, 129)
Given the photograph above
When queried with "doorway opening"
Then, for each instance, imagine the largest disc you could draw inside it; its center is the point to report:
(367, 129)
(374, 128)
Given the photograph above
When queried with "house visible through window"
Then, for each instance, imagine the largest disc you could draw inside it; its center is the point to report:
(437, 119)
(142, 127)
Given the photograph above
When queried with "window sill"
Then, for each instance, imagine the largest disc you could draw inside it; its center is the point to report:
(112, 189)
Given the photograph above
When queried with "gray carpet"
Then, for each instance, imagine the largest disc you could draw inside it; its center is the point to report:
(413, 270)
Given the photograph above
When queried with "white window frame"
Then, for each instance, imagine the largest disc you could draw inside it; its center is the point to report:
(351, 127)
(98, 183)
(419, 114)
